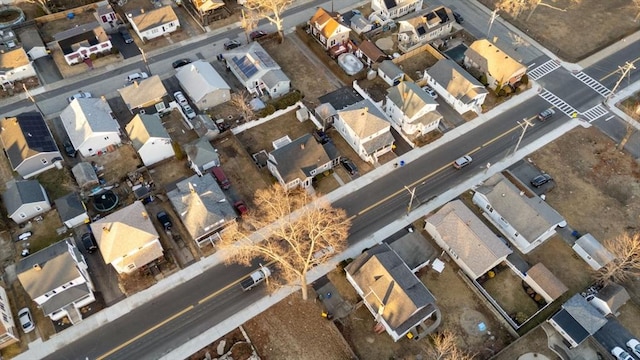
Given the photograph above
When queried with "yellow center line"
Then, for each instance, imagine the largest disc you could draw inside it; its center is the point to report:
(218, 292)
(617, 71)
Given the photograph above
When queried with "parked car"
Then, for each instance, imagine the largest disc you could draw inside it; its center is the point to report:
(429, 90)
(634, 346)
(220, 177)
(541, 180)
(546, 115)
(255, 35)
(69, 149)
(321, 137)
(164, 220)
(26, 321)
(179, 63)
(348, 165)
(80, 95)
(241, 207)
(126, 36)
(89, 242)
(459, 19)
(462, 162)
(180, 98)
(188, 111)
(137, 76)
(620, 354)
(232, 44)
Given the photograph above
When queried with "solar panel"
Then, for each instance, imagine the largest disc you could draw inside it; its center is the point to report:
(36, 132)
(266, 59)
(245, 65)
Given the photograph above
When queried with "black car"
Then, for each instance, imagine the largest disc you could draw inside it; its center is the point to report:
(348, 165)
(89, 242)
(541, 180)
(257, 35)
(164, 220)
(69, 149)
(458, 17)
(231, 44)
(182, 62)
(126, 36)
(321, 137)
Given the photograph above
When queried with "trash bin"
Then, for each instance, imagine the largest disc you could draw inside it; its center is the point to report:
(575, 234)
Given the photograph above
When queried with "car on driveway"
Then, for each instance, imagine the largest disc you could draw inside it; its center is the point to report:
(459, 19)
(188, 111)
(126, 36)
(634, 346)
(541, 180)
(255, 35)
(232, 44)
(69, 149)
(79, 95)
(179, 96)
(241, 207)
(620, 354)
(348, 165)
(26, 321)
(321, 137)
(462, 162)
(179, 63)
(429, 90)
(546, 115)
(164, 220)
(89, 242)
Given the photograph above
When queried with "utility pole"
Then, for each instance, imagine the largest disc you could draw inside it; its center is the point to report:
(33, 100)
(413, 195)
(144, 59)
(494, 15)
(524, 125)
(625, 71)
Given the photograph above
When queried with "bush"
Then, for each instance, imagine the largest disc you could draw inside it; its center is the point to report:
(268, 110)
(287, 100)
(525, 79)
(93, 56)
(483, 79)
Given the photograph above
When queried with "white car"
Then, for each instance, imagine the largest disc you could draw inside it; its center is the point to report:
(189, 111)
(26, 321)
(137, 77)
(634, 346)
(620, 354)
(430, 91)
(180, 98)
(80, 95)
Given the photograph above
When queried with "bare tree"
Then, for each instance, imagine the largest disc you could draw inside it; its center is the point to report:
(626, 249)
(289, 228)
(271, 10)
(635, 4)
(248, 22)
(42, 4)
(445, 347)
(242, 101)
(517, 7)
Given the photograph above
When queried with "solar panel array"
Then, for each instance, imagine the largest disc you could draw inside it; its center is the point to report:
(245, 65)
(266, 59)
(36, 132)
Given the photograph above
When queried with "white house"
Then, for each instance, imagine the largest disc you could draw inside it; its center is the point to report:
(90, 125)
(327, 29)
(469, 242)
(72, 210)
(425, 27)
(592, 251)
(609, 299)
(80, 42)
(57, 279)
(25, 199)
(150, 139)
(411, 109)
(8, 331)
(32, 42)
(365, 129)
(15, 65)
(150, 24)
(498, 67)
(127, 238)
(257, 71)
(577, 320)
(394, 9)
(201, 155)
(522, 217)
(390, 72)
(203, 84)
(457, 87)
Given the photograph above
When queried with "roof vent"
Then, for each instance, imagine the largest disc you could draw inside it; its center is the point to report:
(37, 267)
(302, 146)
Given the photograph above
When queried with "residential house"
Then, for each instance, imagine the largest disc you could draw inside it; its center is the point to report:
(210, 10)
(366, 130)
(327, 29)
(544, 282)
(295, 163)
(81, 42)
(32, 42)
(72, 210)
(522, 217)
(150, 139)
(203, 85)
(592, 251)
(425, 27)
(106, 16)
(257, 71)
(469, 242)
(146, 96)
(394, 9)
(394, 295)
(577, 320)
(202, 207)
(57, 279)
(457, 87)
(411, 109)
(15, 65)
(8, 331)
(127, 238)
(25, 199)
(609, 299)
(150, 24)
(497, 67)
(28, 144)
(90, 125)
(370, 54)
(201, 156)
(390, 72)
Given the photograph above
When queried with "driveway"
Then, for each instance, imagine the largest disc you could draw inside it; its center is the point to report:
(127, 50)
(47, 70)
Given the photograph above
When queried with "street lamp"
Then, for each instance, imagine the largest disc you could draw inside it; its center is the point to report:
(144, 59)
(524, 125)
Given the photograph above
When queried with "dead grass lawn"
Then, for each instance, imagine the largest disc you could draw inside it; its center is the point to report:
(261, 137)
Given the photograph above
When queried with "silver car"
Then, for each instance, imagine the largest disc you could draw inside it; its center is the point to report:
(79, 95)
(26, 321)
(462, 162)
(188, 111)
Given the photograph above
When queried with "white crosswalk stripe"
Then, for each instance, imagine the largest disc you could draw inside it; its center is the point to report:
(593, 83)
(543, 69)
(557, 102)
(595, 113)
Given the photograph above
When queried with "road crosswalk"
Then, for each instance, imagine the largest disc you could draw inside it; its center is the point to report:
(557, 102)
(594, 113)
(593, 83)
(543, 69)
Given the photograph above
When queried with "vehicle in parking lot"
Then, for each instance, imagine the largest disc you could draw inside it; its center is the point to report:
(462, 162)
(255, 35)
(26, 321)
(188, 111)
(182, 62)
(89, 242)
(348, 165)
(541, 180)
(69, 149)
(620, 354)
(459, 19)
(164, 220)
(429, 90)
(546, 115)
(180, 98)
(634, 346)
(241, 207)
(137, 76)
(79, 95)
(126, 36)
(232, 44)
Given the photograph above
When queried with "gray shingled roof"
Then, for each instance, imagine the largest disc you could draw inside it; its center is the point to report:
(20, 192)
(69, 206)
(390, 69)
(595, 249)
(409, 97)
(83, 118)
(143, 93)
(586, 315)
(201, 152)
(453, 78)
(296, 159)
(614, 295)
(547, 280)
(365, 120)
(273, 77)
(199, 79)
(143, 127)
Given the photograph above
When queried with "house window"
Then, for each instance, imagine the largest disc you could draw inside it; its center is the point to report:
(44, 161)
(5, 318)
(312, 172)
(22, 215)
(106, 138)
(131, 266)
(38, 208)
(516, 235)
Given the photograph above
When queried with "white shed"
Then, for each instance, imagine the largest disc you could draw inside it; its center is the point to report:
(591, 251)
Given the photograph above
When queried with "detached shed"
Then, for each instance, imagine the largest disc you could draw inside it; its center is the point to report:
(85, 175)
(544, 282)
(592, 251)
(390, 73)
(610, 298)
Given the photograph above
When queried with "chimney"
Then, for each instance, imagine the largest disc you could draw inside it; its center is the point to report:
(141, 11)
(105, 229)
(37, 267)
(302, 146)
(144, 214)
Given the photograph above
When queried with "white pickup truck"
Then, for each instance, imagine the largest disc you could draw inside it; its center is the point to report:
(255, 278)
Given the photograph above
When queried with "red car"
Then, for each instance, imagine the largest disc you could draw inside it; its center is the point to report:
(257, 35)
(241, 207)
